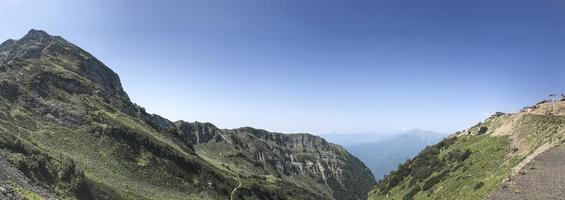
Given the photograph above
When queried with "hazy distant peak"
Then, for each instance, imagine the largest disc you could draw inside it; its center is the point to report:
(421, 132)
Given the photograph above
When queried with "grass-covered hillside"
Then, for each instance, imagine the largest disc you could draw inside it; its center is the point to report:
(302, 159)
(69, 131)
(474, 163)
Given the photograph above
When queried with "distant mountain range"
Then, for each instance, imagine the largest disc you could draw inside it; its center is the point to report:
(382, 153)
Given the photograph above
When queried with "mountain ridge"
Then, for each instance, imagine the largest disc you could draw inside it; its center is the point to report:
(65, 114)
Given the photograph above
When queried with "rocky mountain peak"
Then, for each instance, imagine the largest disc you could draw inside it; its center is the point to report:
(37, 35)
(54, 64)
(34, 45)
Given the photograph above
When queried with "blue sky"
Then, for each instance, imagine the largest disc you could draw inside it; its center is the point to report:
(317, 66)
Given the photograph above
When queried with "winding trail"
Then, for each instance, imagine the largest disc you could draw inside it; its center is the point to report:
(232, 195)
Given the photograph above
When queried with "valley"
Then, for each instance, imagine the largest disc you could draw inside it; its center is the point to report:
(68, 130)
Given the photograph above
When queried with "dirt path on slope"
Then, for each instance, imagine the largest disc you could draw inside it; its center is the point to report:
(543, 178)
(232, 195)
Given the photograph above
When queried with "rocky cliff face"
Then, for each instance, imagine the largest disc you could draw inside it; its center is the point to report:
(69, 127)
(306, 160)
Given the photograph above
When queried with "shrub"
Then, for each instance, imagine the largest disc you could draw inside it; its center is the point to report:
(478, 185)
(434, 180)
(483, 129)
(413, 191)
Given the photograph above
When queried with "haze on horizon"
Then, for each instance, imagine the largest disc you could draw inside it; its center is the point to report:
(317, 66)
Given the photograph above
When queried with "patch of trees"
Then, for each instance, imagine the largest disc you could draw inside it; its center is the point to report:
(427, 169)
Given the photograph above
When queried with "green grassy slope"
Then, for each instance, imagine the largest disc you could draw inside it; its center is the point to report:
(307, 161)
(67, 124)
(474, 163)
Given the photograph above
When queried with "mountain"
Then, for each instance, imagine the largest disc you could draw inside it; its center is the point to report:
(384, 156)
(69, 131)
(383, 153)
(351, 139)
(507, 156)
(302, 159)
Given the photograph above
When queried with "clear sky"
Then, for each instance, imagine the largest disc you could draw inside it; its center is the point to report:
(317, 66)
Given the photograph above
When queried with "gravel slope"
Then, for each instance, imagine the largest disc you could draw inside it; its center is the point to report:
(543, 178)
